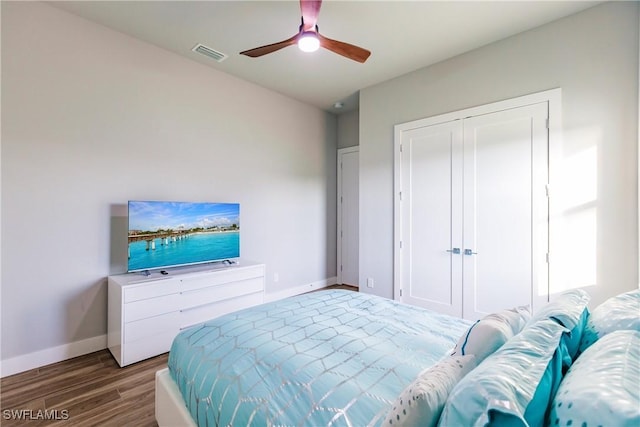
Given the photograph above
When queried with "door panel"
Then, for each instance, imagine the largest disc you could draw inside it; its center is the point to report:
(348, 203)
(431, 169)
(498, 207)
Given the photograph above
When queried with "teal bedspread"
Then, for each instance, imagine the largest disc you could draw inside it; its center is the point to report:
(324, 358)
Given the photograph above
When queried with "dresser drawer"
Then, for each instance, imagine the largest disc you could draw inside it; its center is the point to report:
(151, 307)
(147, 347)
(137, 292)
(204, 312)
(157, 325)
(234, 274)
(220, 292)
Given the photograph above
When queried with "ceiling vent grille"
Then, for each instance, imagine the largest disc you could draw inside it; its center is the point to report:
(211, 53)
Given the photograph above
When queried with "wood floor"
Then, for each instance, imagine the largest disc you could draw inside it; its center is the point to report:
(90, 390)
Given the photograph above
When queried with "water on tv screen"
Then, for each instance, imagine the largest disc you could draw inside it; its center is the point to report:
(170, 234)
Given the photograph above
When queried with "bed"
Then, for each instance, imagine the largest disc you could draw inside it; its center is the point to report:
(323, 358)
(344, 358)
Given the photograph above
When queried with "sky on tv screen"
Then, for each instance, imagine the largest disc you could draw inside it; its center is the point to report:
(153, 216)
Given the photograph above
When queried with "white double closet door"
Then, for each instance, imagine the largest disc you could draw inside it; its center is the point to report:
(473, 211)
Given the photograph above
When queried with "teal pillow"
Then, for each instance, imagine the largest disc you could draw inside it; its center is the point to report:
(570, 310)
(537, 409)
(601, 387)
(567, 308)
(515, 384)
(621, 312)
(573, 337)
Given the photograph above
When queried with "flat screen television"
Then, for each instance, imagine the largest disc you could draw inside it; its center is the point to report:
(171, 234)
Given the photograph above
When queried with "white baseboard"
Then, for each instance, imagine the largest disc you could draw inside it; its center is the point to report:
(51, 355)
(289, 292)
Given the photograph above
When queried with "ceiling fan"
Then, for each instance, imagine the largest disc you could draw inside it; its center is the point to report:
(309, 39)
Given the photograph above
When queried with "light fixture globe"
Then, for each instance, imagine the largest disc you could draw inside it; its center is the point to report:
(308, 42)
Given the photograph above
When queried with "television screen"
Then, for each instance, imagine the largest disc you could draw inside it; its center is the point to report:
(170, 234)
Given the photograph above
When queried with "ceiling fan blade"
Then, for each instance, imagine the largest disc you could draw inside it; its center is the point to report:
(309, 10)
(345, 49)
(263, 50)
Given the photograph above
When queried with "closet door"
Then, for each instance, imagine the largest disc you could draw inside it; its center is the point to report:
(471, 209)
(431, 217)
(505, 208)
(348, 252)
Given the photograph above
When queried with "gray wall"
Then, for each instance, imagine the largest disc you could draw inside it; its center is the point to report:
(348, 129)
(593, 57)
(92, 118)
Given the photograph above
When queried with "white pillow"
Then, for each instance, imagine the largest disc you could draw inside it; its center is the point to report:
(491, 332)
(621, 312)
(421, 403)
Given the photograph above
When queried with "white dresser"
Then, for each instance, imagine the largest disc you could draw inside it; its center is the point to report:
(145, 313)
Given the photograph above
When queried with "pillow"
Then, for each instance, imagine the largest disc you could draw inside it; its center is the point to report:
(491, 332)
(422, 401)
(514, 385)
(570, 310)
(601, 387)
(617, 313)
(567, 308)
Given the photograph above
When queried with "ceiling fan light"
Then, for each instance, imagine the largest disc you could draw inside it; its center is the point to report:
(308, 42)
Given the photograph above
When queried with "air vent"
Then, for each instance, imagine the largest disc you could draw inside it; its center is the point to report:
(211, 53)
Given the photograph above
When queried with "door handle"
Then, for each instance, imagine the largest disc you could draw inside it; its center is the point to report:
(454, 251)
(470, 252)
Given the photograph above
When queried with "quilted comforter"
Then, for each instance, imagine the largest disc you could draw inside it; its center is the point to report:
(318, 359)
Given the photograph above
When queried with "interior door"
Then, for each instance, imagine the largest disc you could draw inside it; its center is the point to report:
(505, 207)
(348, 215)
(431, 198)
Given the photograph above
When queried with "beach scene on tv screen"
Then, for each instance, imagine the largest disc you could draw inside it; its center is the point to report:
(165, 234)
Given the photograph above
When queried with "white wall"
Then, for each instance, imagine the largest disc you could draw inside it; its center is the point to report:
(92, 118)
(593, 57)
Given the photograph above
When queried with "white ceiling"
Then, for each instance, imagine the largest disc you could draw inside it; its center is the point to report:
(402, 35)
